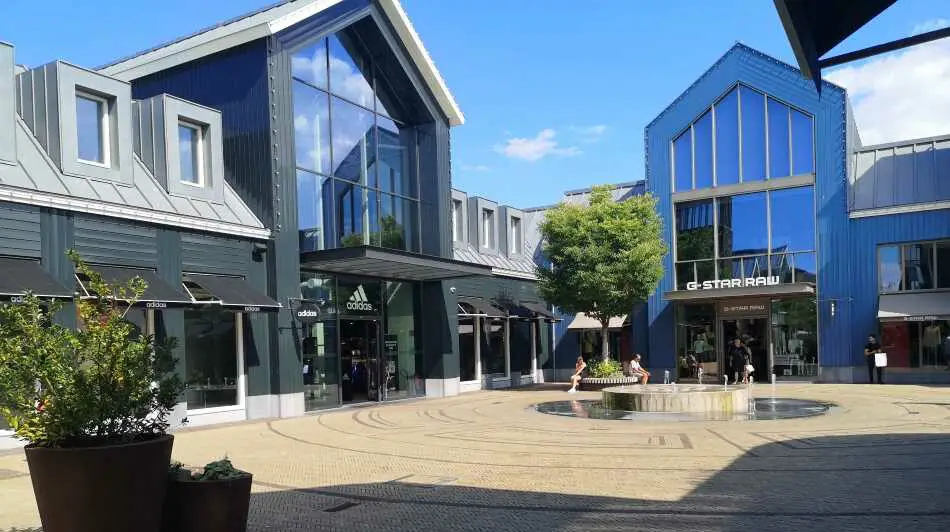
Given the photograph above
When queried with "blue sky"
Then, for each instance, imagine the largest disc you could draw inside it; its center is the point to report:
(556, 94)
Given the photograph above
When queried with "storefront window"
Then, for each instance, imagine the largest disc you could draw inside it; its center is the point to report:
(493, 346)
(402, 363)
(795, 337)
(917, 344)
(696, 340)
(793, 220)
(889, 268)
(694, 231)
(919, 266)
(468, 371)
(319, 353)
(520, 348)
(211, 359)
(943, 264)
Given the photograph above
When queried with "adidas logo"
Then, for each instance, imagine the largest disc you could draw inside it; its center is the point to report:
(359, 301)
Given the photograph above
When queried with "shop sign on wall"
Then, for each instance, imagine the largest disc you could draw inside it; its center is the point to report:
(771, 280)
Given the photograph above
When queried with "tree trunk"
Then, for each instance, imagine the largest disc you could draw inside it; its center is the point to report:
(605, 339)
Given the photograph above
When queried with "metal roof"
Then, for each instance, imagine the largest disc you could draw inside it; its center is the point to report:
(36, 180)
(271, 20)
(500, 264)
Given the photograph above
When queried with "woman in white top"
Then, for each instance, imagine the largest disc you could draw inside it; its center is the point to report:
(637, 370)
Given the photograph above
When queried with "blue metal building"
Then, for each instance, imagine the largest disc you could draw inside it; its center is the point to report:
(800, 241)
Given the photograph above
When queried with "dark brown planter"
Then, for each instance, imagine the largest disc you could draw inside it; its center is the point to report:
(106, 488)
(208, 505)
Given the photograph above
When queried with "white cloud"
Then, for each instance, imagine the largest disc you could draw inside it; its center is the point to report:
(930, 25)
(475, 168)
(589, 134)
(537, 148)
(903, 95)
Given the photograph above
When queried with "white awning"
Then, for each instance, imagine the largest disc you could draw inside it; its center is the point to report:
(583, 322)
(920, 306)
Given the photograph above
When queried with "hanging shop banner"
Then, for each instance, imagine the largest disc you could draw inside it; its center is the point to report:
(734, 283)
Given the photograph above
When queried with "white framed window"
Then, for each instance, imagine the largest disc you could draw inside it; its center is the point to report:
(191, 153)
(92, 129)
(516, 240)
(488, 228)
(457, 221)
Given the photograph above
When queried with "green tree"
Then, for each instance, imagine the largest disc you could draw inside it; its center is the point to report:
(606, 256)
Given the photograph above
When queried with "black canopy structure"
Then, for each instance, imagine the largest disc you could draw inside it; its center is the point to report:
(229, 292)
(18, 276)
(383, 263)
(480, 307)
(158, 292)
(540, 310)
(815, 27)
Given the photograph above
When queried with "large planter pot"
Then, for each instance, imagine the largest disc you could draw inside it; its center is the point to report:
(208, 505)
(596, 384)
(105, 488)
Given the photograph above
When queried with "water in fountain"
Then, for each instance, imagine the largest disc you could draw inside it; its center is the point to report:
(700, 374)
(773, 387)
(725, 383)
(666, 376)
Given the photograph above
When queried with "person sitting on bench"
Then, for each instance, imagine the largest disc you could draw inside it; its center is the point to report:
(579, 368)
(637, 370)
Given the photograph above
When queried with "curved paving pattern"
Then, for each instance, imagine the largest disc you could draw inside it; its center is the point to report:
(488, 461)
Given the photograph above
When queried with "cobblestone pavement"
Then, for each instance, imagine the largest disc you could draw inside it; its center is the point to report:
(488, 462)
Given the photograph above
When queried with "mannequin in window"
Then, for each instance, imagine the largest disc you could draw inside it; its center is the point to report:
(931, 342)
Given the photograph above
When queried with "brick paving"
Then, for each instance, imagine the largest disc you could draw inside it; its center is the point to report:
(488, 462)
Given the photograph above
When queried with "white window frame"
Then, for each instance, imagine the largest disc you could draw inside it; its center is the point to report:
(488, 228)
(199, 152)
(517, 243)
(105, 125)
(241, 377)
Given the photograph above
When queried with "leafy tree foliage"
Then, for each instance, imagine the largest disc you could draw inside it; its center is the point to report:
(103, 382)
(606, 256)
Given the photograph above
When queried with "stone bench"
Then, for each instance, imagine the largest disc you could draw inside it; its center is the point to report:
(595, 384)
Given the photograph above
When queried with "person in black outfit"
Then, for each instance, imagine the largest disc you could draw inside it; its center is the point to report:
(872, 347)
(738, 358)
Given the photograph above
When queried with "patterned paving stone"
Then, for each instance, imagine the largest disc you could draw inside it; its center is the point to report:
(489, 462)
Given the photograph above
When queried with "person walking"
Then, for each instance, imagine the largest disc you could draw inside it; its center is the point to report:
(870, 349)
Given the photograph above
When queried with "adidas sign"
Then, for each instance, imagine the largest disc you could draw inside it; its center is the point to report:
(359, 301)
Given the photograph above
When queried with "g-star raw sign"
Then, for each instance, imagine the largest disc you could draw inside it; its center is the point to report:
(734, 283)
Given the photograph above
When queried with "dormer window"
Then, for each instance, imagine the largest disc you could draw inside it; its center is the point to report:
(488, 228)
(516, 237)
(92, 129)
(457, 221)
(191, 154)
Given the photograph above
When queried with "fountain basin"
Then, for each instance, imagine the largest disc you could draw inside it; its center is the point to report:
(691, 398)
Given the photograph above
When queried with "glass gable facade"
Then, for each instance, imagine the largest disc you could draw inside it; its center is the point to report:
(745, 136)
(356, 183)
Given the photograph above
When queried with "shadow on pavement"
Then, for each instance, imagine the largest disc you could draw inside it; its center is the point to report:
(830, 483)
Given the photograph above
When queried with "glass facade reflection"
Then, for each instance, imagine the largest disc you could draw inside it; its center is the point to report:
(402, 359)
(320, 357)
(696, 340)
(211, 372)
(746, 136)
(915, 266)
(794, 324)
(923, 345)
(355, 182)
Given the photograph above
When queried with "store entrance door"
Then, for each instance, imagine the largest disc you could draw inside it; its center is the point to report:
(754, 333)
(360, 360)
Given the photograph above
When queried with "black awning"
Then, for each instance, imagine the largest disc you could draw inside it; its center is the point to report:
(540, 310)
(18, 276)
(158, 292)
(513, 309)
(382, 263)
(480, 306)
(230, 292)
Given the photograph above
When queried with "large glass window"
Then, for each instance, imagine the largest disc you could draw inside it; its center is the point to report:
(360, 187)
(457, 224)
(696, 340)
(943, 264)
(488, 228)
(703, 151)
(779, 165)
(793, 220)
(743, 226)
(467, 366)
(319, 353)
(92, 128)
(795, 337)
(753, 134)
(694, 231)
(890, 271)
(211, 359)
(727, 139)
(916, 345)
(516, 239)
(914, 266)
(683, 161)
(919, 266)
(191, 163)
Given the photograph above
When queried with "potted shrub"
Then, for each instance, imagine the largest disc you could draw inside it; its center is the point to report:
(92, 403)
(215, 499)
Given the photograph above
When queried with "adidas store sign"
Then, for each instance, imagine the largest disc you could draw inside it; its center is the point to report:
(359, 301)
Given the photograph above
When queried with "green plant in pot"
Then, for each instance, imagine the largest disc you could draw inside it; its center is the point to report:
(215, 499)
(93, 404)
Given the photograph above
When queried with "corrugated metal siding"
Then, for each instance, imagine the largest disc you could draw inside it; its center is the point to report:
(210, 254)
(866, 235)
(743, 64)
(234, 82)
(907, 174)
(20, 230)
(106, 241)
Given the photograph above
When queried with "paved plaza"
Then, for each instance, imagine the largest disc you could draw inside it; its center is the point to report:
(488, 462)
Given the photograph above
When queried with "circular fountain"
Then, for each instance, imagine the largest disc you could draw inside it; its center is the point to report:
(711, 400)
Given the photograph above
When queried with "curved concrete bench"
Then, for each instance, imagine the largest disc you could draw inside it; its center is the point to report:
(595, 384)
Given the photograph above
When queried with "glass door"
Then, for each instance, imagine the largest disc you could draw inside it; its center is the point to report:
(752, 333)
(360, 360)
